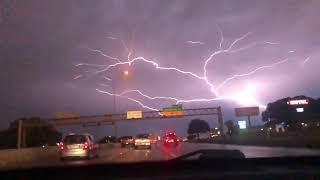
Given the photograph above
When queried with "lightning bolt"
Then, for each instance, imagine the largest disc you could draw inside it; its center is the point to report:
(137, 59)
(195, 42)
(251, 72)
(77, 77)
(104, 54)
(131, 99)
(105, 85)
(306, 60)
(213, 88)
(105, 77)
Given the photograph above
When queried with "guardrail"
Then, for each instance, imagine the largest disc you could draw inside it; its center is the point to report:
(28, 157)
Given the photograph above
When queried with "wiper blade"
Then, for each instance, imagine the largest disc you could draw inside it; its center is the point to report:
(213, 154)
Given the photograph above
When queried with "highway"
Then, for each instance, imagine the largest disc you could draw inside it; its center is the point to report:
(115, 154)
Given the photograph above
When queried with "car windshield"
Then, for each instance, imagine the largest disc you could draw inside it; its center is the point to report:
(74, 139)
(117, 81)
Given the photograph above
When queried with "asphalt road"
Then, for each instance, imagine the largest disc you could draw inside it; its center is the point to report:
(116, 154)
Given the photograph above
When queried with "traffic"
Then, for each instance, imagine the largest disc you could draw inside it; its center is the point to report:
(83, 146)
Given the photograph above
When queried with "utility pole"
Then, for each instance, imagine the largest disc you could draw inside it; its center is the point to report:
(19, 133)
(220, 120)
(249, 122)
(24, 136)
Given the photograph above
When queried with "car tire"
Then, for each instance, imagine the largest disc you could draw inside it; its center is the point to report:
(89, 156)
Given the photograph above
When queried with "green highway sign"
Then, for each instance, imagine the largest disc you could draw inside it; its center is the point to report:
(176, 107)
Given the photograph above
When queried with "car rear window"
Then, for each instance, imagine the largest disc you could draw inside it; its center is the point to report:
(74, 139)
(126, 137)
(171, 136)
(142, 136)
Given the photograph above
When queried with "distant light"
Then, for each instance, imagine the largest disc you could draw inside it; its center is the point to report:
(298, 102)
(126, 72)
(302, 124)
(242, 124)
(218, 132)
(261, 129)
(305, 124)
(270, 128)
(300, 109)
(216, 128)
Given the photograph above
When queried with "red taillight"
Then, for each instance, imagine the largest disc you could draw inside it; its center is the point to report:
(61, 146)
(86, 146)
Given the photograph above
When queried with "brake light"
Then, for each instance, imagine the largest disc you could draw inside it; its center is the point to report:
(61, 146)
(86, 146)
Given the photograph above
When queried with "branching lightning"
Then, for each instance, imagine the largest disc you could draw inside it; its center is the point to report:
(306, 60)
(131, 99)
(195, 42)
(77, 77)
(251, 72)
(101, 68)
(104, 55)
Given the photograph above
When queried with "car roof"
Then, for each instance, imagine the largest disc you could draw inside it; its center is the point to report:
(74, 134)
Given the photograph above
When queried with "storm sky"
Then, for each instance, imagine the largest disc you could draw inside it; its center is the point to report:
(41, 42)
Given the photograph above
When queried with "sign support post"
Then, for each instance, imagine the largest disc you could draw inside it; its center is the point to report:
(220, 120)
(249, 122)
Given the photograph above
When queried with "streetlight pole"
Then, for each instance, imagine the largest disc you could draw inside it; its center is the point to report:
(114, 106)
(125, 73)
(114, 97)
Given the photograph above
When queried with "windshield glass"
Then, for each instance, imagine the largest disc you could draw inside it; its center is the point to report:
(74, 139)
(126, 137)
(143, 136)
(217, 75)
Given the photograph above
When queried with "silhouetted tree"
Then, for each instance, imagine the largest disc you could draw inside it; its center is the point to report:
(233, 129)
(197, 126)
(45, 133)
(230, 127)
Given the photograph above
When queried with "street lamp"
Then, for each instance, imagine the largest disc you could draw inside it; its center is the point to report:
(126, 72)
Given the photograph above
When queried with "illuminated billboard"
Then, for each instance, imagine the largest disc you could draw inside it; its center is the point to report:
(300, 109)
(172, 113)
(247, 111)
(298, 102)
(242, 124)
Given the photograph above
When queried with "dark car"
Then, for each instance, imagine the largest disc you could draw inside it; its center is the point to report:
(108, 139)
(170, 139)
(126, 141)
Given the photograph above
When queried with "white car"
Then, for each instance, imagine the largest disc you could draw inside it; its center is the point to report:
(142, 140)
